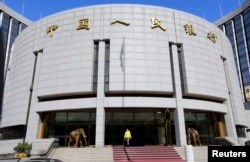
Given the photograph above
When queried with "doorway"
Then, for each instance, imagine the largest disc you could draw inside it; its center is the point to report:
(114, 134)
(205, 123)
(60, 124)
(137, 133)
(147, 128)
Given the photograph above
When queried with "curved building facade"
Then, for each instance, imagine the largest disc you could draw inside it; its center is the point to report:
(105, 68)
(236, 26)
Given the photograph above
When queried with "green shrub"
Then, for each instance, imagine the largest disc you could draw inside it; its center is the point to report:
(22, 147)
(247, 143)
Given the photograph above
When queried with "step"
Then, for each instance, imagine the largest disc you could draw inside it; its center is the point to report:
(200, 153)
(146, 154)
(85, 154)
(157, 160)
(138, 154)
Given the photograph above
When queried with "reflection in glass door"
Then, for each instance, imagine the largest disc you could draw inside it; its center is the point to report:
(147, 128)
(62, 123)
(204, 123)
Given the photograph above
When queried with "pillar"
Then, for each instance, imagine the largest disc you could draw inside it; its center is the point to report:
(179, 119)
(100, 112)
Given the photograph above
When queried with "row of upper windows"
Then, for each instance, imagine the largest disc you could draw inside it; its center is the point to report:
(237, 24)
(6, 20)
(238, 21)
(246, 80)
(10, 25)
(234, 30)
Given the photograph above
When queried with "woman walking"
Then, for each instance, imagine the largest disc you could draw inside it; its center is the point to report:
(127, 136)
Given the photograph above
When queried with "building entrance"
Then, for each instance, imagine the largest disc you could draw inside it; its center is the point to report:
(60, 124)
(147, 128)
(208, 124)
(117, 138)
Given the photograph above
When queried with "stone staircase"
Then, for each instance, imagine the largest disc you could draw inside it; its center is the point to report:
(200, 153)
(135, 154)
(84, 154)
(146, 154)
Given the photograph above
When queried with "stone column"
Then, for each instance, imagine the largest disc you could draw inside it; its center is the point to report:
(230, 116)
(189, 153)
(32, 118)
(179, 119)
(100, 112)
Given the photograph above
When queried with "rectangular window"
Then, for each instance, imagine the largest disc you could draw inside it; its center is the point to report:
(22, 27)
(107, 58)
(13, 132)
(5, 28)
(106, 64)
(241, 131)
(95, 70)
(180, 61)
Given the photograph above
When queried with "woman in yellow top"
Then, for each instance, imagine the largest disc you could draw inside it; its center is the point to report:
(127, 136)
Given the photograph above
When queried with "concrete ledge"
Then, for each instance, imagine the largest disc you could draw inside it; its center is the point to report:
(7, 147)
(41, 147)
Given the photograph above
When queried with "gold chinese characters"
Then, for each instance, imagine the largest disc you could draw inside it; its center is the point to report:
(120, 21)
(212, 37)
(83, 24)
(156, 22)
(51, 30)
(189, 29)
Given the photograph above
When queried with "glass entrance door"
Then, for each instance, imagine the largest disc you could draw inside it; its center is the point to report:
(147, 128)
(114, 135)
(60, 124)
(205, 123)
